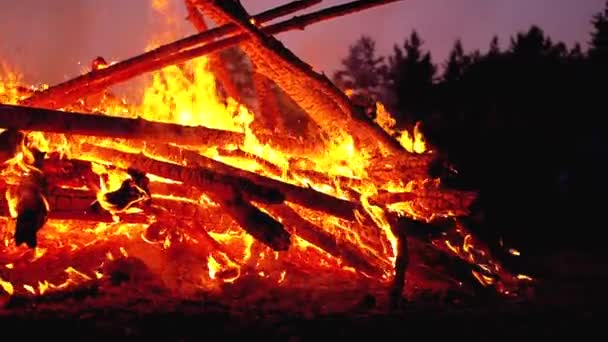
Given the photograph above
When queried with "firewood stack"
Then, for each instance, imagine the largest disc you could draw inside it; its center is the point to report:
(68, 165)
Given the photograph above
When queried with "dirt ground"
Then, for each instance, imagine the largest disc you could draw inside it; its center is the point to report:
(570, 301)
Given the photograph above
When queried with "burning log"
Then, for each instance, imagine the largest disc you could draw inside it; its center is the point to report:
(402, 260)
(202, 177)
(183, 50)
(265, 164)
(70, 173)
(131, 192)
(327, 105)
(310, 232)
(28, 208)
(45, 120)
(303, 196)
(77, 205)
(257, 223)
(221, 188)
(386, 198)
(26, 189)
(10, 140)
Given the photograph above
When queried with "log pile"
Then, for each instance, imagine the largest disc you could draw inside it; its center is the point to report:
(365, 221)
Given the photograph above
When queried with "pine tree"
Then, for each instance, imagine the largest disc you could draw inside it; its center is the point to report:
(457, 63)
(362, 68)
(598, 50)
(411, 76)
(532, 44)
(494, 47)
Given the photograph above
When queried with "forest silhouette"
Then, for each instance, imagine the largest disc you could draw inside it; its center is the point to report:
(522, 125)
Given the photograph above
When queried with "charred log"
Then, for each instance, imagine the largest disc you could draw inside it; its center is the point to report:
(310, 232)
(257, 223)
(402, 260)
(10, 140)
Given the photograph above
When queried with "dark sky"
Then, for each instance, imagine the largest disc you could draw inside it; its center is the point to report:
(47, 39)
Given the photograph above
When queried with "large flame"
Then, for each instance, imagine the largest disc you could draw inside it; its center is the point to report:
(217, 251)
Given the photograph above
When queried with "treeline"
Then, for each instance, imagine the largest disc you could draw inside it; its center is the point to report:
(523, 125)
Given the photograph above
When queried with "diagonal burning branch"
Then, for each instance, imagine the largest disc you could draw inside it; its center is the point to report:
(45, 120)
(183, 50)
(328, 106)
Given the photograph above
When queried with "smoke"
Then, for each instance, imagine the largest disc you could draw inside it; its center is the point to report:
(51, 41)
(41, 37)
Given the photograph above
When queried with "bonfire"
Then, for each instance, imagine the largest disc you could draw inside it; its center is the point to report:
(188, 193)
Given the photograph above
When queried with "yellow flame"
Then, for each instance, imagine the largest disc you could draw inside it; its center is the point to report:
(482, 278)
(219, 262)
(43, 286)
(9, 82)
(30, 289)
(514, 252)
(213, 266)
(524, 277)
(282, 277)
(384, 118)
(7, 287)
(413, 143)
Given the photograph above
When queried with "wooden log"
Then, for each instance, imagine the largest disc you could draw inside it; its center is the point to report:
(348, 254)
(71, 204)
(265, 164)
(180, 51)
(385, 198)
(70, 173)
(68, 92)
(205, 178)
(402, 260)
(256, 222)
(44, 120)
(313, 92)
(225, 190)
(303, 196)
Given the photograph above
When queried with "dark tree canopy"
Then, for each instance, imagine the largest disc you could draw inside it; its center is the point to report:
(410, 78)
(522, 125)
(598, 50)
(362, 68)
(457, 63)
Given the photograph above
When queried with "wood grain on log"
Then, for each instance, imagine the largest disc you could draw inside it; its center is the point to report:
(46, 120)
(347, 253)
(313, 92)
(224, 189)
(304, 196)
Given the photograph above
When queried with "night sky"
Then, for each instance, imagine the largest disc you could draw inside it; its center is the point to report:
(47, 40)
